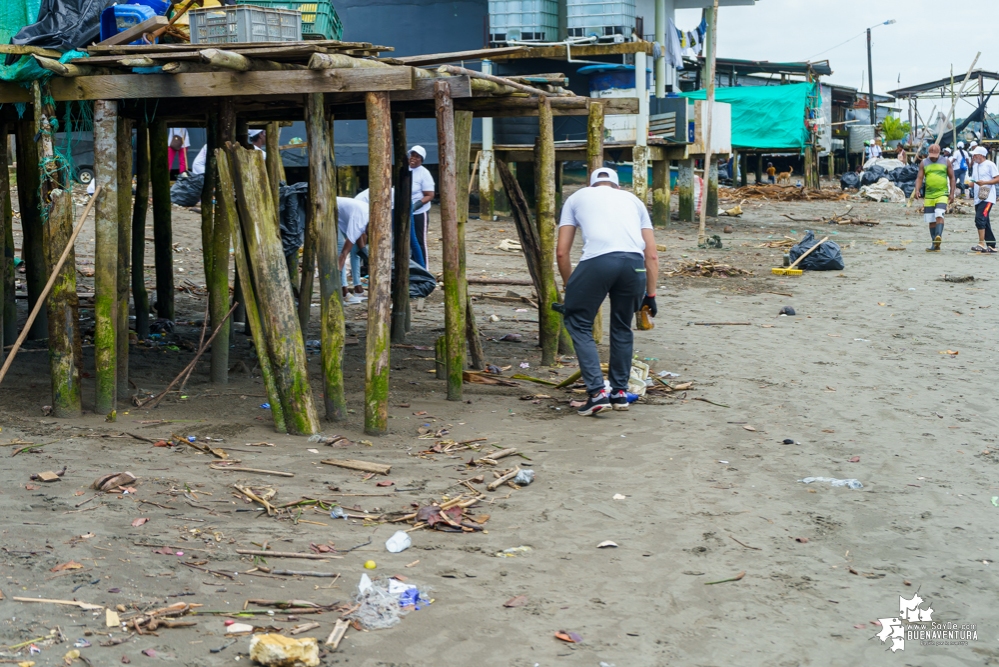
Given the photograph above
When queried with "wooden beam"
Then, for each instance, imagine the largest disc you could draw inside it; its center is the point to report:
(24, 50)
(376, 385)
(454, 304)
(582, 51)
(136, 31)
(106, 255)
(429, 59)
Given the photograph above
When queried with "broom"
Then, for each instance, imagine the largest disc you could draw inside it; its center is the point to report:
(791, 271)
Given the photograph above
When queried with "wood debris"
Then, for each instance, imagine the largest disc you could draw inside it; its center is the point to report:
(705, 268)
(781, 193)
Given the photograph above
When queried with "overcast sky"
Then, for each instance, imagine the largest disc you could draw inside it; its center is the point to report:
(926, 39)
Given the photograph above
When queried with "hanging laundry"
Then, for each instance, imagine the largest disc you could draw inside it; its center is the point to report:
(674, 55)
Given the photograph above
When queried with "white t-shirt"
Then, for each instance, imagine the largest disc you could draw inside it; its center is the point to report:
(180, 132)
(961, 153)
(199, 161)
(365, 196)
(985, 171)
(611, 220)
(875, 150)
(422, 182)
(352, 217)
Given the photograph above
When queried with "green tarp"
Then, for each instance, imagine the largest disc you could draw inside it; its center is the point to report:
(766, 116)
(14, 15)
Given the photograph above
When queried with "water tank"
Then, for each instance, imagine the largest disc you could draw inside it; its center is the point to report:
(614, 21)
(523, 20)
(858, 135)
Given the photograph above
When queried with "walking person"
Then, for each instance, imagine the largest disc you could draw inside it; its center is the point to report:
(962, 162)
(938, 173)
(423, 194)
(620, 259)
(984, 178)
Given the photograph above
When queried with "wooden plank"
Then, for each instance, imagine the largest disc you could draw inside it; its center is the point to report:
(311, 45)
(582, 51)
(457, 56)
(219, 84)
(136, 31)
(363, 466)
(24, 50)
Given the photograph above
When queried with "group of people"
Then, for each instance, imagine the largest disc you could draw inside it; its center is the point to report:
(938, 173)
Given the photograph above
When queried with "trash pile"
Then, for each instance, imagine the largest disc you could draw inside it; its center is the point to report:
(827, 257)
(779, 193)
(884, 191)
(705, 268)
(903, 176)
(382, 603)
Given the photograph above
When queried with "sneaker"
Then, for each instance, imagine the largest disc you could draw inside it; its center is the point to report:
(353, 299)
(595, 403)
(619, 400)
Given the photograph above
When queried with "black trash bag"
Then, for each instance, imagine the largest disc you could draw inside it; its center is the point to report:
(294, 203)
(873, 175)
(907, 187)
(64, 25)
(421, 282)
(904, 174)
(186, 190)
(849, 180)
(826, 257)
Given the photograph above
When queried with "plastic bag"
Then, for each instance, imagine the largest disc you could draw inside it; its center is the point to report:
(64, 24)
(904, 174)
(907, 187)
(186, 190)
(826, 257)
(849, 180)
(872, 175)
(421, 281)
(294, 202)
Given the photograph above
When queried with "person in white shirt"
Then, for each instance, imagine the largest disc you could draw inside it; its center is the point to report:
(620, 259)
(423, 194)
(984, 178)
(198, 166)
(962, 162)
(258, 139)
(177, 144)
(875, 149)
(352, 222)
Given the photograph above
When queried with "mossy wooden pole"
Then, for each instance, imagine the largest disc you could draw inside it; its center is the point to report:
(228, 218)
(549, 322)
(124, 263)
(106, 254)
(660, 193)
(454, 305)
(29, 206)
(376, 384)
(463, 150)
(222, 130)
(6, 247)
(595, 160)
(401, 218)
(323, 216)
(159, 173)
(273, 142)
(281, 329)
(139, 210)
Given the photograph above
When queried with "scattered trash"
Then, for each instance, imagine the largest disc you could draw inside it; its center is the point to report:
(705, 269)
(81, 643)
(607, 544)
(71, 565)
(399, 542)
(512, 337)
(618, 496)
(786, 310)
(494, 318)
(138, 522)
(115, 480)
(514, 552)
(952, 353)
(524, 364)
(273, 650)
(748, 427)
(265, 406)
(667, 374)
(111, 619)
(723, 581)
(331, 440)
(854, 459)
(149, 652)
(516, 601)
(383, 602)
(524, 477)
(958, 279)
(238, 628)
(802, 540)
(570, 637)
(789, 441)
(849, 483)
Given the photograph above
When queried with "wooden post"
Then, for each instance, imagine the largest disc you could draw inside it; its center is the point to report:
(346, 181)
(594, 139)
(711, 182)
(273, 138)
(401, 218)
(139, 294)
(281, 329)
(640, 173)
(63, 322)
(549, 323)
(323, 217)
(159, 174)
(709, 66)
(29, 206)
(759, 169)
(106, 254)
(463, 148)
(376, 380)
(487, 185)
(6, 248)
(454, 305)
(685, 190)
(229, 220)
(743, 170)
(124, 263)
(524, 173)
(221, 130)
(660, 193)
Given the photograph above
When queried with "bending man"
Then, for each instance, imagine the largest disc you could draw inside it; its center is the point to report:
(619, 258)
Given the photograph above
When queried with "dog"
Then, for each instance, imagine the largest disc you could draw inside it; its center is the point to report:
(784, 177)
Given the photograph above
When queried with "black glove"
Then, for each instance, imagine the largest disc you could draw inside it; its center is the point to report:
(650, 301)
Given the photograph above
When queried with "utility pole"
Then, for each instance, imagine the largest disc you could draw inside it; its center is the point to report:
(870, 79)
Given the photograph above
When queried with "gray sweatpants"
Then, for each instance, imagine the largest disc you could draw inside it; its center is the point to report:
(622, 276)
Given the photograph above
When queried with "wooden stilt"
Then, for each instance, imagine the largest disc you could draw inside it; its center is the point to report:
(759, 169)
(32, 244)
(640, 173)
(346, 181)
(487, 185)
(6, 247)
(323, 217)
(463, 147)
(106, 254)
(281, 328)
(229, 220)
(273, 138)
(454, 305)
(524, 173)
(595, 160)
(401, 218)
(222, 130)
(312, 238)
(549, 321)
(685, 191)
(159, 174)
(139, 294)
(743, 170)
(660, 193)
(711, 193)
(124, 264)
(376, 384)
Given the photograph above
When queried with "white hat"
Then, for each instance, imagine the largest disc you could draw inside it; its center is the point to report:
(980, 151)
(972, 144)
(604, 175)
(960, 144)
(254, 133)
(419, 150)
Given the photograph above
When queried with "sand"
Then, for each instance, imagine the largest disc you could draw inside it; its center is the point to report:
(710, 491)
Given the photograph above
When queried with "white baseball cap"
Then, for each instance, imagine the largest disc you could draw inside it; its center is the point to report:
(254, 133)
(419, 150)
(980, 151)
(604, 175)
(960, 144)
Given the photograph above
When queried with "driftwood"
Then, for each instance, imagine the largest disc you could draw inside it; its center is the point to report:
(339, 630)
(363, 466)
(256, 470)
(502, 479)
(283, 554)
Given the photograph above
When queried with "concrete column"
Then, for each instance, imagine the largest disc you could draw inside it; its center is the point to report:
(685, 190)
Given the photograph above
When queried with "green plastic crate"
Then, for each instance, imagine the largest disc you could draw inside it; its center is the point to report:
(319, 17)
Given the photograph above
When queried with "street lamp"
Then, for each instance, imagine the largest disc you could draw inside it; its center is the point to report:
(872, 110)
